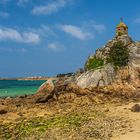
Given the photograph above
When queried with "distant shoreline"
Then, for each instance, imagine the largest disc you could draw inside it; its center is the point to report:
(31, 78)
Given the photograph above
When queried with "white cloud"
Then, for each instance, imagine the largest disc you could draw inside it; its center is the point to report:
(77, 32)
(56, 47)
(4, 14)
(50, 8)
(9, 34)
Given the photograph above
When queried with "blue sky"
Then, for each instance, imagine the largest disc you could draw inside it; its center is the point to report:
(47, 37)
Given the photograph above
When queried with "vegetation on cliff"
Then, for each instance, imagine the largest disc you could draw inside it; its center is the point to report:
(94, 63)
(118, 55)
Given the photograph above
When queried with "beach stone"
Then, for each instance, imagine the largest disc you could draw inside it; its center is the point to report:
(2, 111)
(135, 108)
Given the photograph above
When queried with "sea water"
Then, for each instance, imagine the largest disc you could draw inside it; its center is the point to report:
(15, 88)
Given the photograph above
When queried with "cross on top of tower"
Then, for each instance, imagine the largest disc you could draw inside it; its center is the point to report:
(121, 19)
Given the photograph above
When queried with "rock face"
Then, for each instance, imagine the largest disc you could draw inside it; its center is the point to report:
(135, 54)
(99, 77)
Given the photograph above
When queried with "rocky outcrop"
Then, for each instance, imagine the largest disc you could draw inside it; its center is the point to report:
(102, 76)
(129, 74)
(53, 90)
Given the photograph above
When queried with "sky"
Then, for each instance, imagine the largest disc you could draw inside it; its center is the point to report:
(48, 37)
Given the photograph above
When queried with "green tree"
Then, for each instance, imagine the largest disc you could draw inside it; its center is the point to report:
(119, 54)
(94, 63)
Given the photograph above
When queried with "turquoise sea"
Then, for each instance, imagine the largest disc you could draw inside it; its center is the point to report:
(14, 88)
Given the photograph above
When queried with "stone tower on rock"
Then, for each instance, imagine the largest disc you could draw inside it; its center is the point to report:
(121, 29)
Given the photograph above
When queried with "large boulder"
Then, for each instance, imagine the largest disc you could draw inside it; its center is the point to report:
(46, 87)
(97, 78)
(44, 93)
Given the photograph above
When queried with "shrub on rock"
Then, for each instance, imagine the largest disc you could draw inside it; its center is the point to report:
(118, 54)
(94, 63)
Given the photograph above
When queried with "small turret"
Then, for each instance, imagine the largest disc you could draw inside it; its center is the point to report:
(121, 29)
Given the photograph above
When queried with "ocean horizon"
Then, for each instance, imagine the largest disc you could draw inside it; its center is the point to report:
(13, 88)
